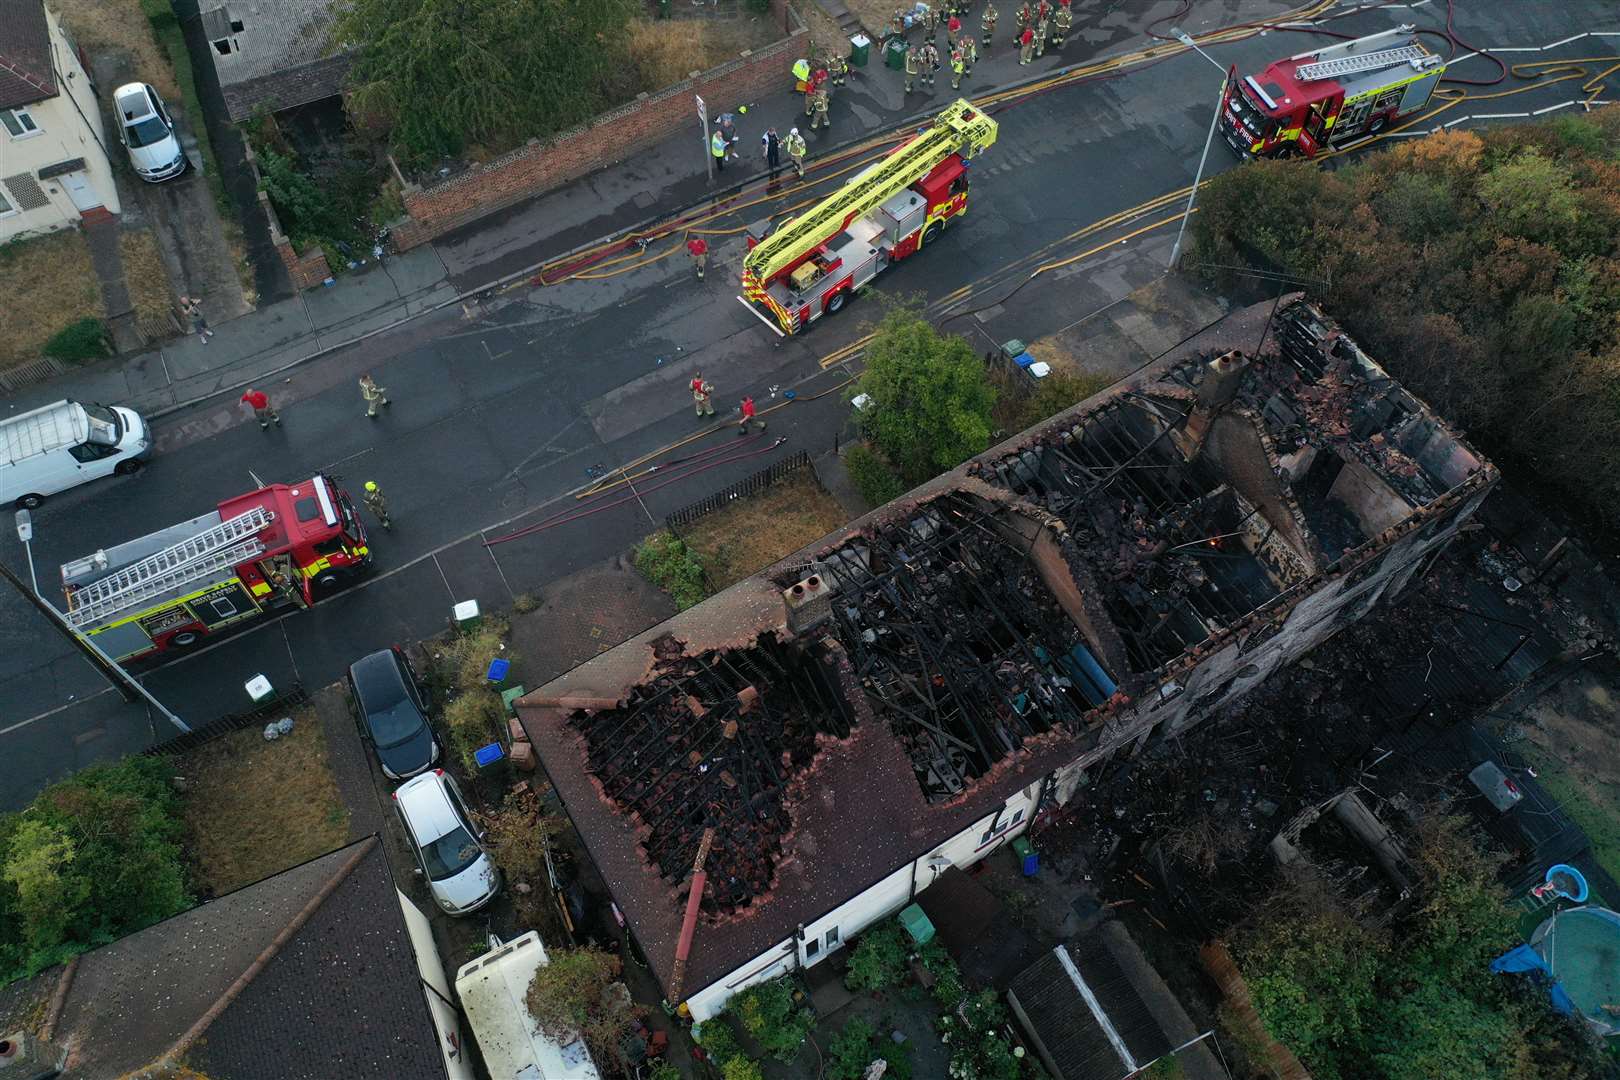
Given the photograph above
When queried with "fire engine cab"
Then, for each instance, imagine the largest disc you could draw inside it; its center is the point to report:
(807, 267)
(1324, 98)
(275, 547)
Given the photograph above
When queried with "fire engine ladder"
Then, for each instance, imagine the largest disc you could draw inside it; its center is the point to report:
(1349, 65)
(225, 544)
(961, 128)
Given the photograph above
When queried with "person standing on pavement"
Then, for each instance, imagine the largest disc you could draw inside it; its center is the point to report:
(702, 393)
(746, 411)
(372, 394)
(1026, 45)
(821, 119)
(191, 311)
(953, 30)
(771, 144)
(1062, 22)
(913, 67)
(1024, 17)
(958, 65)
(1043, 22)
(987, 23)
(970, 56)
(698, 249)
(795, 149)
(263, 411)
(930, 23)
(377, 503)
(929, 62)
(717, 147)
(838, 69)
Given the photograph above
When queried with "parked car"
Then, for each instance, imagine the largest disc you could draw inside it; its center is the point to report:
(55, 447)
(448, 847)
(391, 710)
(147, 132)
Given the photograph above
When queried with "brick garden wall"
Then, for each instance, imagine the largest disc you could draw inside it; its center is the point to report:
(606, 140)
(306, 270)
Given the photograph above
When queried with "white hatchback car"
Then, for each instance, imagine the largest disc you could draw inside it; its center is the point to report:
(147, 133)
(446, 843)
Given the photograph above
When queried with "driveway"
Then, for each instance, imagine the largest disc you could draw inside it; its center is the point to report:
(181, 212)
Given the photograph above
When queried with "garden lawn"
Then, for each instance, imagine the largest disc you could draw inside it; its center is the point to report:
(48, 282)
(754, 532)
(254, 808)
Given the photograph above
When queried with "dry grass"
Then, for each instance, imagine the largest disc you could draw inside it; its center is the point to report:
(47, 282)
(120, 24)
(665, 51)
(824, 33)
(752, 533)
(255, 808)
(875, 15)
(147, 280)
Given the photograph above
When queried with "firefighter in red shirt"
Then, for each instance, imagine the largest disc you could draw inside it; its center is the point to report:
(698, 249)
(1026, 45)
(747, 417)
(263, 411)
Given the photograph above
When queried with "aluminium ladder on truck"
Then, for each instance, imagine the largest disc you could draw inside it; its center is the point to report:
(226, 544)
(961, 129)
(1350, 65)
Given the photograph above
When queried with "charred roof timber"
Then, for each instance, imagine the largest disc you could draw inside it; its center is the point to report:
(713, 741)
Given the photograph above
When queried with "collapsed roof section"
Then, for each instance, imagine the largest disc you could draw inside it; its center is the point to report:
(1198, 497)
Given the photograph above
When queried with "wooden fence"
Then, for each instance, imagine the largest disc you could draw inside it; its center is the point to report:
(751, 485)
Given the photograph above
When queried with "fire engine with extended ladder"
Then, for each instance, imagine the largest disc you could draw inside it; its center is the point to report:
(1329, 96)
(275, 547)
(809, 266)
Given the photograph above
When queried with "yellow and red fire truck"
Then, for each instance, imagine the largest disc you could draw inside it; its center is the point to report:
(1329, 96)
(278, 546)
(808, 266)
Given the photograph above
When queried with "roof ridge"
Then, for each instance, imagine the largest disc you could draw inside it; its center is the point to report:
(46, 87)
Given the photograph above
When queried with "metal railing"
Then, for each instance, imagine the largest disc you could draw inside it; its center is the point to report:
(749, 485)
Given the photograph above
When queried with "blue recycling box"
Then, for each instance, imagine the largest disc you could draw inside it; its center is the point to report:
(488, 755)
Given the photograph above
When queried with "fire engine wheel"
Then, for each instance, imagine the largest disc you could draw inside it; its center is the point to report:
(184, 639)
(1285, 152)
(128, 468)
(1377, 125)
(931, 233)
(835, 302)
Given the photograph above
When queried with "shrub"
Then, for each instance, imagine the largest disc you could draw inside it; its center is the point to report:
(668, 563)
(850, 1051)
(872, 476)
(663, 1070)
(769, 1013)
(463, 661)
(717, 1039)
(473, 720)
(91, 859)
(517, 834)
(879, 959)
(82, 339)
(741, 1068)
(1055, 393)
(570, 996)
(948, 990)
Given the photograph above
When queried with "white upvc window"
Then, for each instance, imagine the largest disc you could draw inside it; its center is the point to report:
(6, 209)
(18, 123)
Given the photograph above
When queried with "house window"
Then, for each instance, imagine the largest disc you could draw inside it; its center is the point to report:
(811, 948)
(1018, 815)
(989, 834)
(832, 936)
(6, 209)
(18, 123)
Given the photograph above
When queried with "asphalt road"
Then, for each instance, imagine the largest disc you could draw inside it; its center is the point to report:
(503, 410)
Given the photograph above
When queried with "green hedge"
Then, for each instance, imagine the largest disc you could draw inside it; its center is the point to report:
(872, 476)
(82, 339)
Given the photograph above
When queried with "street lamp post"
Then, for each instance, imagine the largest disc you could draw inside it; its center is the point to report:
(121, 680)
(1186, 39)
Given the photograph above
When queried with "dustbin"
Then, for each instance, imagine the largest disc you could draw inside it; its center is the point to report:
(917, 924)
(663, 9)
(1027, 858)
(894, 53)
(860, 50)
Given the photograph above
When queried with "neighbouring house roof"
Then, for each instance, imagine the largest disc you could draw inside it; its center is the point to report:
(340, 1000)
(962, 643)
(281, 56)
(26, 72)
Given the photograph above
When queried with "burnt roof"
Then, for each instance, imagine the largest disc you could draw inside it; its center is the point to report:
(944, 625)
(26, 72)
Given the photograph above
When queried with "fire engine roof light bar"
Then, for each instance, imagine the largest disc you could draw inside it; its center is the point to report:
(1264, 97)
(324, 497)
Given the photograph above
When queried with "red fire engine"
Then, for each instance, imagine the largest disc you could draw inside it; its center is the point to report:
(275, 547)
(808, 267)
(1329, 96)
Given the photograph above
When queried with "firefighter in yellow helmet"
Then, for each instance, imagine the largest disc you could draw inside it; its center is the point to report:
(377, 503)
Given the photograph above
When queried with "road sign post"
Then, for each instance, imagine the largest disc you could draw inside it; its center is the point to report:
(703, 115)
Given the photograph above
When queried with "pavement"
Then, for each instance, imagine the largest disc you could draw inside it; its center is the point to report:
(505, 407)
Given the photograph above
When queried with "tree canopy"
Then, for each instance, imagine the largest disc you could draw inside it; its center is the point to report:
(931, 398)
(91, 859)
(443, 75)
(1483, 270)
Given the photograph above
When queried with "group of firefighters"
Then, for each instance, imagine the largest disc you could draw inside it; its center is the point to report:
(1039, 24)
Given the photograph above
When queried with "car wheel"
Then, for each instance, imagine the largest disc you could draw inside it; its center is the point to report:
(128, 468)
(835, 303)
(931, 233)
(30, 502)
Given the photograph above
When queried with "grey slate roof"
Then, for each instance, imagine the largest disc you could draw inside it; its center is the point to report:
(280, 58)
(340, 1001)
(26, 72)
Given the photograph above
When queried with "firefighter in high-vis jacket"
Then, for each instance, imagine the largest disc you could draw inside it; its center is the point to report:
(1024, 18)
(913, 68)
(987, 24)
(1062, 23)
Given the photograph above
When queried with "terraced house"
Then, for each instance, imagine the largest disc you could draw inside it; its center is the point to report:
(913, 692)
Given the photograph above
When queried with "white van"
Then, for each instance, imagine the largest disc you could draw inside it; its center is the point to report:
(492, 989)
(56, 447)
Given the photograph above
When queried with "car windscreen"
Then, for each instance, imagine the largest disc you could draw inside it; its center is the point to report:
(394, 723)
(146, 132)
(450, 854)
